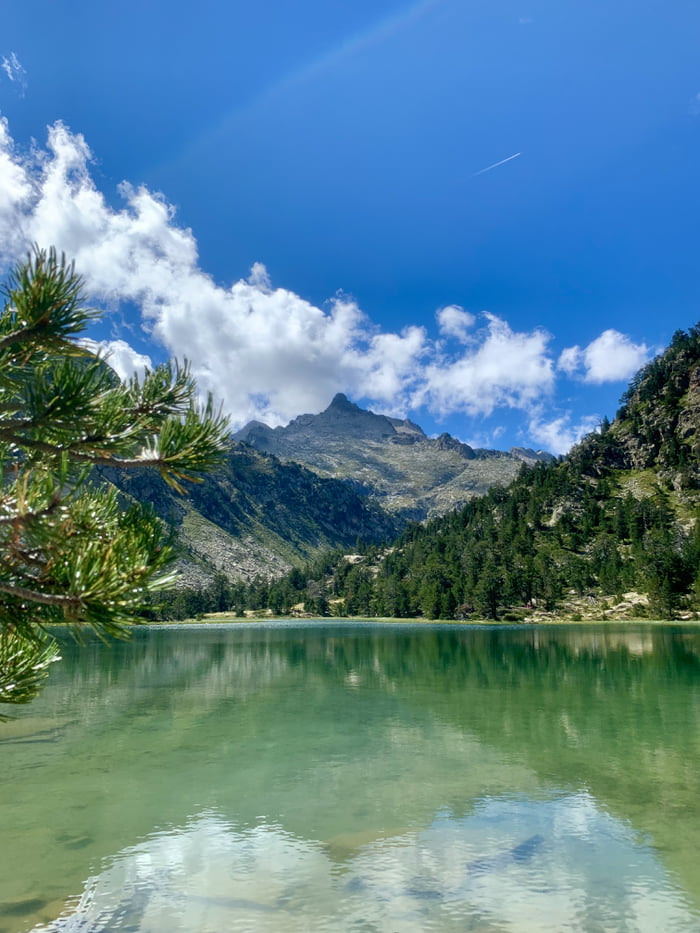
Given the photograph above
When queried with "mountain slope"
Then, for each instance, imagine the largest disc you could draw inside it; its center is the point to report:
(618, 516)
(410, 475)
(286, 495)
(256, 515)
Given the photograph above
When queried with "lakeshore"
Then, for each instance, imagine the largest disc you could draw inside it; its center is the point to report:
(631, 607)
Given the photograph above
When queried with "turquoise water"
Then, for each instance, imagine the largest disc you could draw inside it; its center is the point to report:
(358, 778)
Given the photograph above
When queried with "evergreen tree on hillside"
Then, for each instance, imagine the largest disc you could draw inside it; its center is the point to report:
(621, 512)
(68, 551)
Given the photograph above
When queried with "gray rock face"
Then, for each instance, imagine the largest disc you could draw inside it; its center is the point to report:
(530, 456)
(392, 460)
(255, 515)
(341, 418)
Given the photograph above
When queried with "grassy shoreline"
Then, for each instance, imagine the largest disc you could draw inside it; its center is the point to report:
(224, 618)
(633, 607)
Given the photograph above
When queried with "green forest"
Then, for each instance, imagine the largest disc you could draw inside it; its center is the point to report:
(617, 515)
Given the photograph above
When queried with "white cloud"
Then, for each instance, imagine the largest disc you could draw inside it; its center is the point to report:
(454, 321)
(505, 368)
(558, 435)
(259, 278)
(266, 352)
(13, 69)
(124, 360)
(570, 360)
(15, 194)
(611, 357)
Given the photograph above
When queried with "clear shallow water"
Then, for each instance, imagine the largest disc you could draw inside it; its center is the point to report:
(358, 778)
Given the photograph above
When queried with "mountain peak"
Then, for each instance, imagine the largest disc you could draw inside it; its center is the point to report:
(342, 403)
(391, 459)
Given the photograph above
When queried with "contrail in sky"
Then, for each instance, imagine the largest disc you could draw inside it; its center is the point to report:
(496, 164)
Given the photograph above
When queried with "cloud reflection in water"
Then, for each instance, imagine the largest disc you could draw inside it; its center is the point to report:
(514, 863)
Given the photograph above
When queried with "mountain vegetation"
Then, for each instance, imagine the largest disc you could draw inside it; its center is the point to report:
(285, 496)
(256, 516)
(618, 515)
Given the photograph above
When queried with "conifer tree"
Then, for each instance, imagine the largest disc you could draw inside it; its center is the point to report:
(68, 551)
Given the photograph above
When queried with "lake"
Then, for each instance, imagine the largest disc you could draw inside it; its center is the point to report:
(354, 777)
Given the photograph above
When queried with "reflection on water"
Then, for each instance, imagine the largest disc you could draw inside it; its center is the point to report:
(360, 779)
(547, 865)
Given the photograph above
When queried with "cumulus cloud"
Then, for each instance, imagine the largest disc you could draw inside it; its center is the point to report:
(121, 356)
(611, 357)
(503, 368)
(263, 350)
(570, 360)
(558, 435)
(267, 352)
(15, 194)
(14, 71)
(454, 321)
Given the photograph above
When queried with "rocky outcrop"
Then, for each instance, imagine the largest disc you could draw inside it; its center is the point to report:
(658, 424)
(411, 475)
(530, 456)
(688, 425)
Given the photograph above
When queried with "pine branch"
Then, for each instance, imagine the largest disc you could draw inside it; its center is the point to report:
(44, 304)
(68, 552)
(24, 666)
(35, 596)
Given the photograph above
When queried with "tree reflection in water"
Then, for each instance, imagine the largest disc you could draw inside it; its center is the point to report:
(408, 772)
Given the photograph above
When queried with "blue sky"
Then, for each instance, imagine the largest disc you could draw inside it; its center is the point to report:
(293, 196)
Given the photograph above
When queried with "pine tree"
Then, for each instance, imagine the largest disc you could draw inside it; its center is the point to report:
(68, 551)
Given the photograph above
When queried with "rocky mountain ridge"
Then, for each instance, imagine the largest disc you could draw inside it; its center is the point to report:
(389, 459)
(324, 482)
